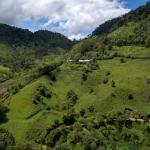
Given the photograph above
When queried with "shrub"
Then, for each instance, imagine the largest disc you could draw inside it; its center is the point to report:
(122, 60)
(105, 80)
(53, 77)
(72, 97)
(91, 108)
(148, 80)
(84, 77)
(148, 129)
(41, 93)
(58, 69)
(130, 97)
(53, 137)
(113, 95)
(3, 111)
(107, 73)
(82, 112)
(48, 108)
(91, 90)
(7, 141)
(113, 84)
(56, 123)
(69, 119)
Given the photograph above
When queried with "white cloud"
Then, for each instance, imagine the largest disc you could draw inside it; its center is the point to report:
(75, 17)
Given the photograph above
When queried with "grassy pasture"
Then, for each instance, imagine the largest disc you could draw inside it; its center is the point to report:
(130, 78)
(134, 51)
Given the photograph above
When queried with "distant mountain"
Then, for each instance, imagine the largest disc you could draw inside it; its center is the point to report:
(131, 28)
(20, 47)
(14, 36)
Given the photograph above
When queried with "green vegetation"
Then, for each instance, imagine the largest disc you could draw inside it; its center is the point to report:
(130, 29)
(49, 102)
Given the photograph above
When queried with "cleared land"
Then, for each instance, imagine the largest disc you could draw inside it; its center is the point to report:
(130, 79)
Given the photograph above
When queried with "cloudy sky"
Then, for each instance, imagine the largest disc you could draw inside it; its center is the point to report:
(73, 18)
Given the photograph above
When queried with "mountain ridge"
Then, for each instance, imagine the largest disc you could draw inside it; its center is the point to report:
(15, 36)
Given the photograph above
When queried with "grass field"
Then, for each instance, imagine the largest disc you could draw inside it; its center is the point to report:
(130, 78)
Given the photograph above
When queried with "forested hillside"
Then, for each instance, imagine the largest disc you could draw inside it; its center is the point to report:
(131, 28)
(17, 36)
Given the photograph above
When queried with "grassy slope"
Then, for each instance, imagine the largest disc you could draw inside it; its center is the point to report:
(21, 106)
(130, 78)
(124, 32)
(135, 51)
(4, 69)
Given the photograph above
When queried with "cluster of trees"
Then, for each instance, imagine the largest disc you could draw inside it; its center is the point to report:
(87, 131)
(41, 93)
(88, 48)
(7, 141)
(71, 100)
(24, 78)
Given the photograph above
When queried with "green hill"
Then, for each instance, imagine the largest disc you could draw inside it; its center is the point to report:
(51, 101)
(19, 48)
(131, 28)
(16, 36)
(111, 88)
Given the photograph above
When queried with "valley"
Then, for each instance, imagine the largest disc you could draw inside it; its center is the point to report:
(91, 94)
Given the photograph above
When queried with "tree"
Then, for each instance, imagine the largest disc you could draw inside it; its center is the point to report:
(84, 77)
(3, 111)
(69, 119)
(113, 84)
(72, 97)
(130, 97)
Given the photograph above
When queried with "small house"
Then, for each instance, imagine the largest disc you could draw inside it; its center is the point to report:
(82, 61)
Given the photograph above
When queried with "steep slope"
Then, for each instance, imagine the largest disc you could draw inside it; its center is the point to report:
(131, 28)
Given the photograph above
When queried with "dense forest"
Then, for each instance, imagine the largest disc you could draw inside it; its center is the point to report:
(40, 41)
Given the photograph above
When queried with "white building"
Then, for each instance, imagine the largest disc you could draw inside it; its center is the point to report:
(84, 61)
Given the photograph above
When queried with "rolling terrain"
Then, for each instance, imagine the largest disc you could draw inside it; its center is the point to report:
(53, 101)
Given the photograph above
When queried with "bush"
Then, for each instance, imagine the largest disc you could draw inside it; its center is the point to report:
(53, 77)
(148, 129)
(3, 111)
(105, 80)
(91, 91)
(69, 119)
(107, 73)
(122, 60)
(148, 80)
(53, 137)
(41, 93)
(84, 77)
(130, 97)
(56, 123)
(82, 112)
(72, 97)
(91, 108)
(113, 84)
